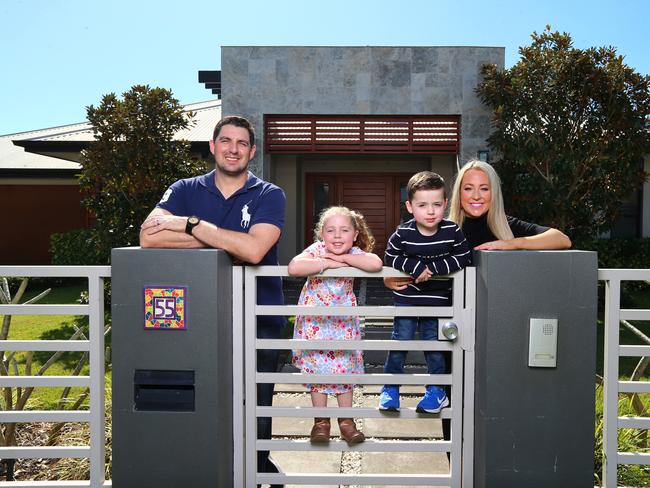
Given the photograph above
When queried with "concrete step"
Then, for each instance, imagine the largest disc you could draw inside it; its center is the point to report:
(388, 428)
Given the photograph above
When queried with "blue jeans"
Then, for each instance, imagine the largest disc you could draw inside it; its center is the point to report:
(404, 329)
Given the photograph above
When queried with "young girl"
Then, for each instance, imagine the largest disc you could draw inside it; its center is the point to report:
(342, 238)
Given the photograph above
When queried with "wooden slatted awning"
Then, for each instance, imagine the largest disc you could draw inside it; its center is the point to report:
(373, 134)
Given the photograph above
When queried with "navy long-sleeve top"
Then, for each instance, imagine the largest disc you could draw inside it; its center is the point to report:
(443, 253)
(478, 232)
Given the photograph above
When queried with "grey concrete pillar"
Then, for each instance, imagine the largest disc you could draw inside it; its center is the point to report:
(172, 368)
(534, 426)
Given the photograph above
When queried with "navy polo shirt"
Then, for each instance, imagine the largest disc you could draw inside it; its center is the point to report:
(257, 202)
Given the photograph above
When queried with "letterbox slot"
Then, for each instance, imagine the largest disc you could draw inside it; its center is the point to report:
(163, 391)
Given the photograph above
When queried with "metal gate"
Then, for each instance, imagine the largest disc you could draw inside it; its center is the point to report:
(246, 377)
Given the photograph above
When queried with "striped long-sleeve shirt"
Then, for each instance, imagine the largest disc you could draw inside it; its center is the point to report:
(443, 253)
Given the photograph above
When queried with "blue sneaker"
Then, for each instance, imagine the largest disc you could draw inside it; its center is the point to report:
(434, 400)
(389, 398)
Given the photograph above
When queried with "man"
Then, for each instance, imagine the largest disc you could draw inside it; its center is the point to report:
(230, 209)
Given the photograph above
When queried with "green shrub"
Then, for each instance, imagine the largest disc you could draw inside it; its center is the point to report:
(619, 253)
(78, 247)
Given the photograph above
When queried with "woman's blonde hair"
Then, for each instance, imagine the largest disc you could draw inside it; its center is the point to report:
(496, 216)
(365, 241)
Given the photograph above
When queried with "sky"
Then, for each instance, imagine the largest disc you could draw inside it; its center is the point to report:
(60, 56)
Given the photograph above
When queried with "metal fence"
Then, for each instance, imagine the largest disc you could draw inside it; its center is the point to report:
(612, 386)
(246, 442)
(94, 416)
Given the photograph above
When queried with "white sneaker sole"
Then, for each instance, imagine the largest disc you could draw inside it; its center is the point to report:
(444, 404)
(388, 409)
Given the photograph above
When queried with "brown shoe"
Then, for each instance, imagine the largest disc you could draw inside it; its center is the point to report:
(320, 432)
(349, 431)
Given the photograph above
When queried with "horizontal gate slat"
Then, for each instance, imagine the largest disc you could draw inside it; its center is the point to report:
(47, 381)
(353, 311)
(54, 345)
(52, 484)
(367, 446)
(44, 309)
(345, 345)
(634, 423)
(45, 416)
(634, 386)
(355, 379)
(358, 412)
(634, 351)
(360, 479)
(633, 458)
(54, 452)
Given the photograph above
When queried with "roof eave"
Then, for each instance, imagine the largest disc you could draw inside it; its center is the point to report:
(71, 150)
(68, 150)
(57, 173)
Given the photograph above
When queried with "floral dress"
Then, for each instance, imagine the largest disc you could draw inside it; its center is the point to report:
(319, 291)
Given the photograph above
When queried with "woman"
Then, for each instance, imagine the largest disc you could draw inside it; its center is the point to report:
(477, 207)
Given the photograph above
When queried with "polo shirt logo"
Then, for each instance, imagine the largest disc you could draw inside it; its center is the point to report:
(166, 196)
(245, 216)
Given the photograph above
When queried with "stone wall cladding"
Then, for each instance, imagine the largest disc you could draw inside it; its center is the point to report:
(358, 80)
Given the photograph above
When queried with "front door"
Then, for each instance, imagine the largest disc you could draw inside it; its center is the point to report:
(379, 197)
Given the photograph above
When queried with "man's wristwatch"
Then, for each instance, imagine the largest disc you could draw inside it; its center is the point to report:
(192, 222)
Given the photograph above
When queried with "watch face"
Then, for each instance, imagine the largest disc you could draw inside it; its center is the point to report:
(192, 222)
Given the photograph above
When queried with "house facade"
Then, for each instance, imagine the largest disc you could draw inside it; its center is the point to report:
(39, 196)
(350, 125)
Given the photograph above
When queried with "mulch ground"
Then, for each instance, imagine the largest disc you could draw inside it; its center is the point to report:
(36, 434)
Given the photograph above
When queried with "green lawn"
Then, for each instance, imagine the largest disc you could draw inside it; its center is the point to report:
(67, 293)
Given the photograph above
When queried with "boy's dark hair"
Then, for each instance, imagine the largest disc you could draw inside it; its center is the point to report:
(237, 121)
(425, 180)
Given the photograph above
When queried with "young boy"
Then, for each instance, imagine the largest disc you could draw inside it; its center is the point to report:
(424, 247)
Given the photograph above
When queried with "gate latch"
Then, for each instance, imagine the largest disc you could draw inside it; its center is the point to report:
(450, 330)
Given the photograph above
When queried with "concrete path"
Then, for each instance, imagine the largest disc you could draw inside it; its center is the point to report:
(376, 429)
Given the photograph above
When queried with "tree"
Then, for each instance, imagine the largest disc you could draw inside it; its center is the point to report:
(569, 132)
(133, 159)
